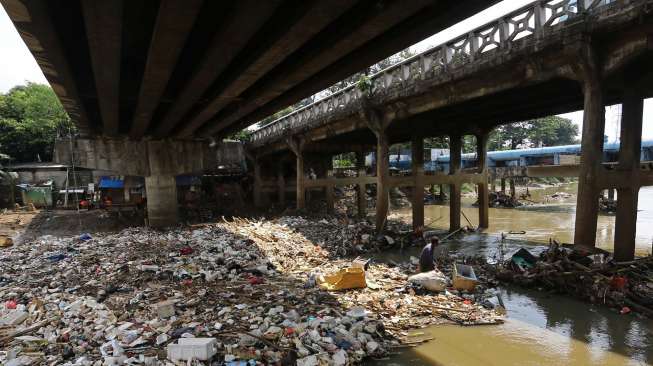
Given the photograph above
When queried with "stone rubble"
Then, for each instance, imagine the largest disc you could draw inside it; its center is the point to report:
(123, 298)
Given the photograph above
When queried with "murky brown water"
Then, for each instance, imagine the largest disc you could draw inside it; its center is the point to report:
(541, 329)
(548, 219)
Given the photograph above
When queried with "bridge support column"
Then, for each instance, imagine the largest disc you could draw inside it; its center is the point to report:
(329, 194)
(159, 161)
(454, 189)
(417, 160)
(281, 186)
(258, 184)
(361, 195)
(297, 146)
(382, 180)
(629, 157)
(513, 190)
(162, 210)
(483, 195)
(378, 123)
(587, 202)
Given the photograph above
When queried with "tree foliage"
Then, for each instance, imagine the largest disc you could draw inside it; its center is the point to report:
(31, 116)
(547, 131)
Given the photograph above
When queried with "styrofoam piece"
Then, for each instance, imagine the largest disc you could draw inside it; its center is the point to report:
(165, 309)
(13, 318)
(201, 349)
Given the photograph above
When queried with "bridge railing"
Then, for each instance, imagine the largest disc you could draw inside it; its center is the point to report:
(500, 34)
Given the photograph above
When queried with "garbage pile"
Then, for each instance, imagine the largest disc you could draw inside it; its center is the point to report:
(586, 273)
(500, 199)
(344, 237)
(239, 292)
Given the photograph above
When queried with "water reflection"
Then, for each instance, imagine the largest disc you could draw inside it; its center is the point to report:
(552, 219)
(542, 328)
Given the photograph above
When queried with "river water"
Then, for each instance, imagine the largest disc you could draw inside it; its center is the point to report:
(549, 218)
(541, 328)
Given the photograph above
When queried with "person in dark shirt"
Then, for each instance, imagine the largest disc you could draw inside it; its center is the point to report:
(427, 257)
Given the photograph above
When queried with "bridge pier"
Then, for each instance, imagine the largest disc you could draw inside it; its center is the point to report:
(455, 155)
(378, 123)
(162, 210)
(328, 190)
(258, 183)
(417, 170)
(483, 194)
(382, 177)
(159, 161)
(297, 147)
(587, 204)
(629, 158)
(281, 186)
(361, 194)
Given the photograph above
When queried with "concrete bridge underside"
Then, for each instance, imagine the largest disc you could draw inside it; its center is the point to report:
(178, 70)
(591, 60)
(198, 68)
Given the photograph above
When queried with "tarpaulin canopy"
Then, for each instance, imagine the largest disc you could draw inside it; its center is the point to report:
(111, 182)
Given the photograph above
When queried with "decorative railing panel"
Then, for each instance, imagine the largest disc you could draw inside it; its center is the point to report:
(499, 34)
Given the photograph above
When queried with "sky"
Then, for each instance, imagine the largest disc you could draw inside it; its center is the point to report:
(17, 65)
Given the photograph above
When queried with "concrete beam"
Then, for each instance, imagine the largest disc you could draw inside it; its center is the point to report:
(248, 17)
(296, 35)
(173, 25)
(140, 158)
(372, 22)
(103, 21)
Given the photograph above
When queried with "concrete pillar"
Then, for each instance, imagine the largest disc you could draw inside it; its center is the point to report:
(454, 189)
(378, 122)
(483, 194)
(281, 187)
(382, 180)
(417, 167)
(328, 193)
(629, 158)
(503, 185)
(513, 190)
(587, 202)
(297, 146)
(258, 184)
(301, 192)
(161, 193)
(361, 194)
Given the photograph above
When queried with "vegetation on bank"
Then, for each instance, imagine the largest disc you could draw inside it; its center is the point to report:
(31, 117)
